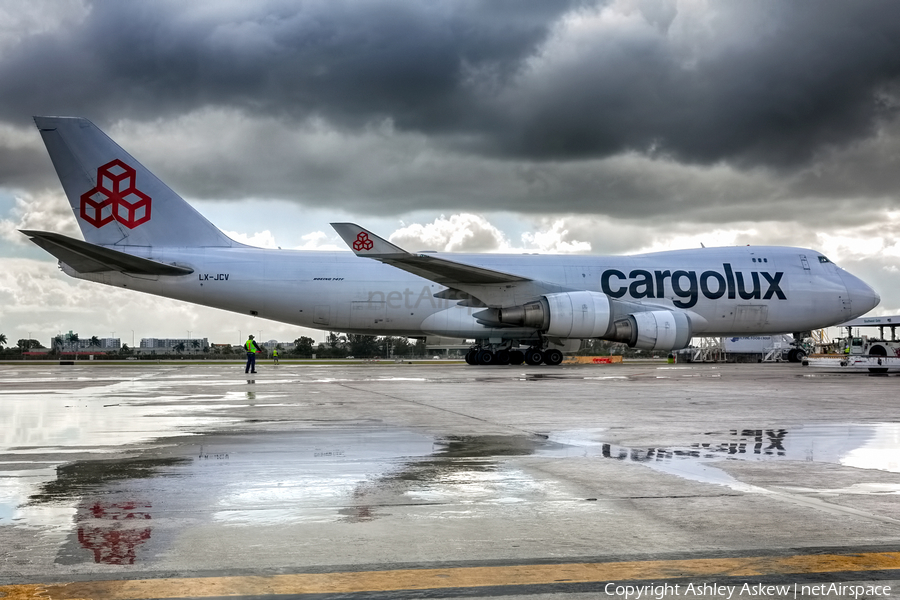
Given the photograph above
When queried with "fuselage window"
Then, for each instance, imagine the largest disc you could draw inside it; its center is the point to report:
(822, 259)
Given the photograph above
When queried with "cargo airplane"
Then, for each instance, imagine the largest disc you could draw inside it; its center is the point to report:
(141, 235)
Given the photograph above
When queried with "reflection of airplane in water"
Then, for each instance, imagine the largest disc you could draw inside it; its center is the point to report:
(750, 442)
(113, 531)
(865, 446)
(362, 473)
(141, 235)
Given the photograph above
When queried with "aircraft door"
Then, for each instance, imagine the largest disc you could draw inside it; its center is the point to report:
(750, 317)
(805, 274)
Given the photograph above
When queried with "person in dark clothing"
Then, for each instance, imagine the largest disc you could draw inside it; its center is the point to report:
(252, 348)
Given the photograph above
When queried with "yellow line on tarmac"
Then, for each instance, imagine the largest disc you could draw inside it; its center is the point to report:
(456, 577)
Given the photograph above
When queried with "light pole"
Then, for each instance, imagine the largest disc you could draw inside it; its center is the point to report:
(132, 338)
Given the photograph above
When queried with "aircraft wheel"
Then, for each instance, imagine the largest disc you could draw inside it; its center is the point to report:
(471, 357)
(516, 357)
(486, 357)
(502, 357)
(796, 355)
(533, 356)
(552, 356)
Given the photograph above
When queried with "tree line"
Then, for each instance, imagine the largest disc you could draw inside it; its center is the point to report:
(336, 345)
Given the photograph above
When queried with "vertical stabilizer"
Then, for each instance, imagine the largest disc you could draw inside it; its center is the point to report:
(116, 200)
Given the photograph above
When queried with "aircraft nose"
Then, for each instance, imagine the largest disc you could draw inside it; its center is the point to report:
(862, 297)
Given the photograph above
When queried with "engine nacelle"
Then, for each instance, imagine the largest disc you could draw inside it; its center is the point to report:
(566, 315)
(589, 315)
(654, 330)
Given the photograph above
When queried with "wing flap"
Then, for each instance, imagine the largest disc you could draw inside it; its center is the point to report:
(85, 257)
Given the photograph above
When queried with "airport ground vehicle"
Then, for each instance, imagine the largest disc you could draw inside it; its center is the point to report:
(864, 345)
(877, 354)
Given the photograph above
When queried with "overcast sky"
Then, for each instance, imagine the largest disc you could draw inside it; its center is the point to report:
(594, 127)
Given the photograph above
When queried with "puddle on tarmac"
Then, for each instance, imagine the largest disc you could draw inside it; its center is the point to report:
(118, 511)
(54, 427)
(845, 374)
(358, 475)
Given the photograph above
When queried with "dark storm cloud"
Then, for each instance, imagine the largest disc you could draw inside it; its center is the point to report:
(351, 61)
(764, 82)
(26, 168)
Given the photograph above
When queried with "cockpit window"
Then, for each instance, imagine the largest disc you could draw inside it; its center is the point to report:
(822, 259)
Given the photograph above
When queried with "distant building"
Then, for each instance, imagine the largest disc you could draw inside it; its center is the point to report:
(67, 344)
(272, 344)
(167, 345)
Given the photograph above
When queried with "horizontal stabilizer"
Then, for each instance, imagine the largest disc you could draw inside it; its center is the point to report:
(440, 270)
(90, 258)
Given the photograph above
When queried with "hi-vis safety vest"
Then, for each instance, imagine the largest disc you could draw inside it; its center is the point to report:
(249, 346)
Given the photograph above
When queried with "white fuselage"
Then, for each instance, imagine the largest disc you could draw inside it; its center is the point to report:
(735, 290)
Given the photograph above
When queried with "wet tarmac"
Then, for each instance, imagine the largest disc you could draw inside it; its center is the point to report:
(162, 471)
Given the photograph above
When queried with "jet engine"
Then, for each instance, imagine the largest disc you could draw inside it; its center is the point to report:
(592, 315)
(566, 315)
(653, 330)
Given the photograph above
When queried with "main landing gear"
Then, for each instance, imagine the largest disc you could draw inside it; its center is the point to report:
(502, 356)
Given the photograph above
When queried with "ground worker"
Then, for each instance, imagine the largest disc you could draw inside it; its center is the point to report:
(252, 348)
(275, 355)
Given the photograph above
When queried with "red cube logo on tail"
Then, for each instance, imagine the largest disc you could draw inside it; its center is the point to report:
(115, 198)
(363, 242)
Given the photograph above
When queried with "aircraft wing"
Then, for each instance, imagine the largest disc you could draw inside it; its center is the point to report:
(91, 258)
(439, 270)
